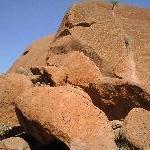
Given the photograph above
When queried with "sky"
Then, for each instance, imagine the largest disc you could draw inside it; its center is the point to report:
(24, 21)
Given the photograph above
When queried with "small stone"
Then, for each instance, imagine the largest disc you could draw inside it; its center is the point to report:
(136, 128)
(14, 143)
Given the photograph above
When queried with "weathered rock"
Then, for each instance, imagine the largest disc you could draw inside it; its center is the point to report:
(11, 86)
(65, 113)
(68, 44)
(14, 143)
(136, 128)
(116, 125)
(103, 35)
(137, 28)
(34, 55)
(117, 97)
(118, 43)
(117, 133)
(111, 40)
(79, 68)
(53, 75)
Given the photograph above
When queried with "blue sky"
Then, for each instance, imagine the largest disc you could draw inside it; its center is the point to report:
(24, 21)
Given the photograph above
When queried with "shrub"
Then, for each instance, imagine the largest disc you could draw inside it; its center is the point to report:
(123, 144)
(5, 129)
(114, 3)
(24, 71)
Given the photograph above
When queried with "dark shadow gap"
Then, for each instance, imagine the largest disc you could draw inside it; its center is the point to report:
(42, 140)
(124, 97)
(25, 53)
(85, 24)
(64, 33)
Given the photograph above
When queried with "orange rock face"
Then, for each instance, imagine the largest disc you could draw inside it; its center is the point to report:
(118, 43)
(92, 26)
(103, 51)
(11, 86)
(66, 113)
(79, 68)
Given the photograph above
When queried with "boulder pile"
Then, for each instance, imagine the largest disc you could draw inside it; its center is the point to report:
(86, 87)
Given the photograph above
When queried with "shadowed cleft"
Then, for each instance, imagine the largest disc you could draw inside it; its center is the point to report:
(85, 24)
(25, 53)
(43, 79)
(123, 144)
(64, 33)
(51, 142)
(117, 100)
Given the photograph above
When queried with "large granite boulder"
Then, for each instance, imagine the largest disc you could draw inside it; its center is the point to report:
(65, 113)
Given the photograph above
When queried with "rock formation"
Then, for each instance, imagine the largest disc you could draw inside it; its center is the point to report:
(90, 78)
(11, 86)
(136, 128)
(110, 41)
(117, 97)
(66, 113)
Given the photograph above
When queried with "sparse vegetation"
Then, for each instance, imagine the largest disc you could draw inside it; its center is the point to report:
(114, 3)
(123, 147)
(5, 129)
(123, 144)
(24, 71)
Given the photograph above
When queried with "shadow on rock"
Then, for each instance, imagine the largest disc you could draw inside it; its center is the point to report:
(50, 141)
